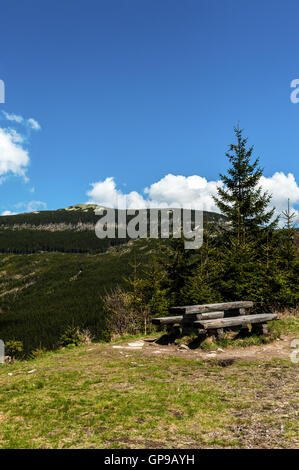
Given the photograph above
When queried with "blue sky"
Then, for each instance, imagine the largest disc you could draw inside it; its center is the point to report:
(135, 90)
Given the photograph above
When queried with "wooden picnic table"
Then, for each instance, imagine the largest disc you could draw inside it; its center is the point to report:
(213, 318)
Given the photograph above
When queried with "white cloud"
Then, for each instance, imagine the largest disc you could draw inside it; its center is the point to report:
(13, 117)
(8, 213)
(29, 123)
(282, 187)
(34, 124)
(106, 194)
(13, 158)
(194, 192)
(31, 206)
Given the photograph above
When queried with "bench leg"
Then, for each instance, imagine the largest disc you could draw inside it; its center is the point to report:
(220, 333)
(173, 331)
(260, 329)
(189, 330)
(244, 332)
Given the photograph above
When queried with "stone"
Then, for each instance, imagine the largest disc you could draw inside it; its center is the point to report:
(184, 347)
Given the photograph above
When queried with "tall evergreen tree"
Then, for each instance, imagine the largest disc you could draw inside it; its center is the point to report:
(289, 251)
(240, 198)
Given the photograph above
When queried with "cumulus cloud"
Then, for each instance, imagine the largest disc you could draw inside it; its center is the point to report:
(105, 193)
(189, 192)
(13, 157)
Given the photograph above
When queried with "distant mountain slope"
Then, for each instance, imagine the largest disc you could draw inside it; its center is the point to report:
(73, 217)
(70, 230)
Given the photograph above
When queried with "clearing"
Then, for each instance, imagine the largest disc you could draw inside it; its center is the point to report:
(152, 396)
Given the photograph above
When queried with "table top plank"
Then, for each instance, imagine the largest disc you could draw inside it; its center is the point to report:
(191, 309)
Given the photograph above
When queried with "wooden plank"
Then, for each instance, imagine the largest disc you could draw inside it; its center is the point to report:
(236, 321)
(167, 320)
(189, 319)
(209, 315)
(191, 309)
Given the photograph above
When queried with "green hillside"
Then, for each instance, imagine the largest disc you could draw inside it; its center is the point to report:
(42, 293)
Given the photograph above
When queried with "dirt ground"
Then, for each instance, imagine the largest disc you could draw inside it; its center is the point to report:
(280, 348)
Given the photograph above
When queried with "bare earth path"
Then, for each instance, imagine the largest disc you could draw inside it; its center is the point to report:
(278, 349)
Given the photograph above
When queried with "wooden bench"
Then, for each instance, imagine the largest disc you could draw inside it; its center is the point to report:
(213, 318)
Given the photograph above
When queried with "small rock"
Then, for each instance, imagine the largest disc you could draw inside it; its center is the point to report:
(220, 350)
(212, 355)
(31, 371)
(9, 373)
(183, 346)
(136, 344)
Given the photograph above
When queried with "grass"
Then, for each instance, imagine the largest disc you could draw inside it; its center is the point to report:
(94, 396)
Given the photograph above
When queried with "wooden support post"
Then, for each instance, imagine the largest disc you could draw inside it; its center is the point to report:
(244, 331)
(220, 333)
(188, 330)
(260, 329)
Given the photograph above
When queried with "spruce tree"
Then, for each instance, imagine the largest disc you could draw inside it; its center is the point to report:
(289, 251)
(240, 198)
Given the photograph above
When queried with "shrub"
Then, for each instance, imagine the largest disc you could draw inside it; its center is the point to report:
(14, 348)
(37, 352)
(75, 336)
(121, 317)
(85, 336)
(70, 336)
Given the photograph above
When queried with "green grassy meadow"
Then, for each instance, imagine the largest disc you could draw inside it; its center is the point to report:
(94, 396)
